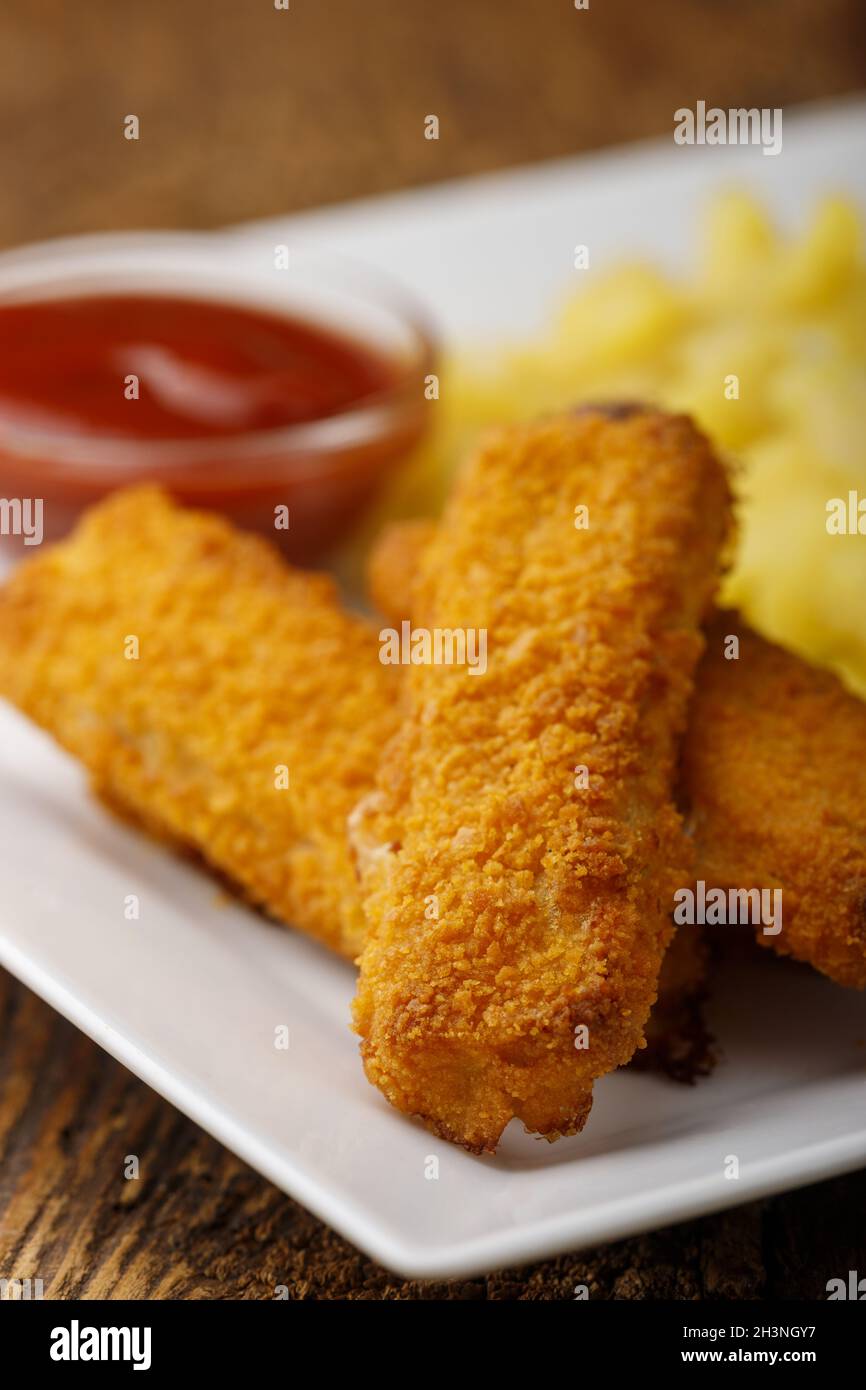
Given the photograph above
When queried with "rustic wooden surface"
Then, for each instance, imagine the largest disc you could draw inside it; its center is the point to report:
(244, 112)
(198, 1223)
(247, 111)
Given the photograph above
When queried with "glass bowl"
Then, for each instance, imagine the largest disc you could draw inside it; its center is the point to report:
(324, 471)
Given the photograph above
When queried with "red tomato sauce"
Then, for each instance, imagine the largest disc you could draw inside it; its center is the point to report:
(150, 367)
(104, 391)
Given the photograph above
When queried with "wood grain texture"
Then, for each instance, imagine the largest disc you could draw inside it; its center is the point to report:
(247, 112)
(198, 1223)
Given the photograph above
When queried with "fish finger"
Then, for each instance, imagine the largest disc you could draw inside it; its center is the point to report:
(774, 778)
(773, 774)
(219, 696)
(522, 843)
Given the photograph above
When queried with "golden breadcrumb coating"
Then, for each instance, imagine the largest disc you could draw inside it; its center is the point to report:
(774, 772)
(774, 775)
(676, 1040)
(244, 667)
(113, 782)
(509, 905)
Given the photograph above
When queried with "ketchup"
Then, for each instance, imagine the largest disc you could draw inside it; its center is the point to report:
(106, 390)
(149, 367)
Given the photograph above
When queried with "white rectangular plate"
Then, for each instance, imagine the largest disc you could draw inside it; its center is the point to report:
(189, 996)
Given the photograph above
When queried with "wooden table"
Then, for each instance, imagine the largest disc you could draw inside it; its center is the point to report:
(247, 111)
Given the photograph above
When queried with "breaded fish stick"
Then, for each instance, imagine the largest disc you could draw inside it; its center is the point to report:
(393, 566)
(773, 774)
(142, 562)
(220, 696)
(676, 1039)
(519, 910)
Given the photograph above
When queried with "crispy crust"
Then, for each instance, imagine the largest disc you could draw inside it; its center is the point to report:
(244, 665)
(553, 903)
(773, 775)
(677, 1042)
(774, 771)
